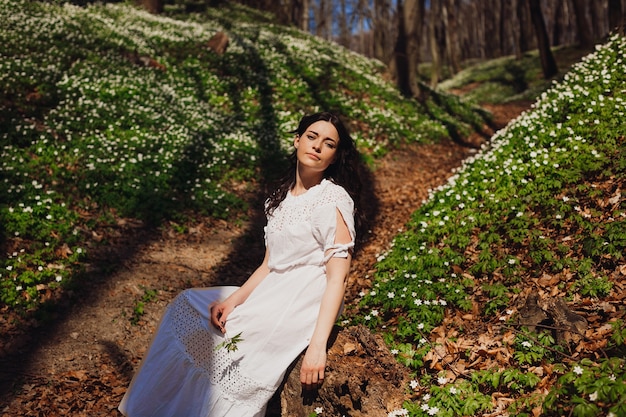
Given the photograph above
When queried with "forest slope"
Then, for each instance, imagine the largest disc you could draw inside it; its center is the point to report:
(111, 113)
(506, 291)
(132, 154)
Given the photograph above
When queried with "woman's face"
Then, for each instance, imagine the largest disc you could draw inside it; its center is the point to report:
(316, 148)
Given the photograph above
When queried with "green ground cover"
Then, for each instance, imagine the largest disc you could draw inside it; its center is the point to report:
(544, 199)
(108, 111)
(508, 78)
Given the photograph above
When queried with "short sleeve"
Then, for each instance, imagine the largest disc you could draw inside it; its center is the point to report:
(324, 222)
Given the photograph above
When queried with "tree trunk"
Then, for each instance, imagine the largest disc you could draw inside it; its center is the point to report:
(479, 30)
(492, 33)
(410, 14)
(584, 31)
(617, 17)
(525, 27)
(344, 29)
(598, 24)
(434, 37)
(321, 20)
(548, 64)
(153, 6)
(452, 36)
(362, 379)
(400, 63)
(505, 24)
(382, 30)
(304, 16)
(558, 22)
(298, 12)
(362, 48)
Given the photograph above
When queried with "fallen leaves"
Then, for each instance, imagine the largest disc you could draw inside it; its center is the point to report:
(77, 393)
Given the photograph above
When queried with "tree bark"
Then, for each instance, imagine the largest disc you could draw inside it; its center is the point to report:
(479, 30)
(452, 36)
(321, 20)
(382, 30)
(410, 15)
(153, 6)
(361, 12)
(344, 27)
(548, 64)
(584, 31)
(525, 27)
(492, 33)
(569, 327)
(505, 23)
(598, 25)
(435, 41)
(304, 16)
(558, 22)
(362, 379)
(398, 66)
(617, 17)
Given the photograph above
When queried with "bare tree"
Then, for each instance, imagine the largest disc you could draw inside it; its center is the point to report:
(584, 31)
(452, 35)
(406, 52)
(548, 64)
(460, 30)
(383, 30)
(503, 24)
(436, 39)
(491, 13)
(302, 14)
(362, 14)
(616, 15)
(344, 24)
(558, 28)
(525, 27)
(598, 25)
(320, 19)
(478, 35)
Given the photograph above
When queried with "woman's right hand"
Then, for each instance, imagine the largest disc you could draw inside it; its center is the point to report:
(219, 311)
(219, 314)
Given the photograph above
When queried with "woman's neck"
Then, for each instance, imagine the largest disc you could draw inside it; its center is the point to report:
(304, 181)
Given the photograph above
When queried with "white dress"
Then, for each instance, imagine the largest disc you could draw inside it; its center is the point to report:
(184, 375)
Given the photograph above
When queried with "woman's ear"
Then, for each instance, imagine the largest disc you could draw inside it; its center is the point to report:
(296, 141)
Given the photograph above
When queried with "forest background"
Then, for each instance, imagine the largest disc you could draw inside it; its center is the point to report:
(446, 33)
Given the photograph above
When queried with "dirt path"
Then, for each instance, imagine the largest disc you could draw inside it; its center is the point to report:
(81, 363)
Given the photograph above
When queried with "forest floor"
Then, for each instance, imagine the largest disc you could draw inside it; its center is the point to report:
(80, 361)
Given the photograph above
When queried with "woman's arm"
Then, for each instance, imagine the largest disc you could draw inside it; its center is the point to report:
(221, 310)
(314, 362)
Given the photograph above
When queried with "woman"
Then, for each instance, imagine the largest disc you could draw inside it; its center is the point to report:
(223, 351)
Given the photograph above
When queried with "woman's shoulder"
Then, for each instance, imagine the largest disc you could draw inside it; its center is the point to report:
(335, 192)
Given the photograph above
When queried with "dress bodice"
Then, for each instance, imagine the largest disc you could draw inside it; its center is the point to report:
(301, 230)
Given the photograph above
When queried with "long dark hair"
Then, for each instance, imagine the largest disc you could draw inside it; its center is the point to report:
(344, 171)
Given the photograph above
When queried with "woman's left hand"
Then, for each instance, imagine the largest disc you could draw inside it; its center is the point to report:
(313, 365)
